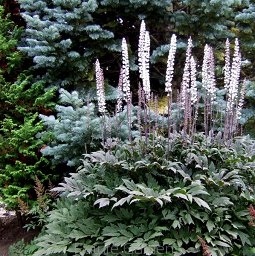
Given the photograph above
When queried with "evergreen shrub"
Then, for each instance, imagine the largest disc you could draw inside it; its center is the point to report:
(21, 100)
(21, 160)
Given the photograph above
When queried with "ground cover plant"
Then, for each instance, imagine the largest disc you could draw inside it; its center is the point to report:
(146, 198)
(173, 189)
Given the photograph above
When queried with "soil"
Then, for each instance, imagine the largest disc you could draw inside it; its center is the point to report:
(11, 231)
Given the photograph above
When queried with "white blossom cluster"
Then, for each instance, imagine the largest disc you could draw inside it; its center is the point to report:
(170, 65)
(144, 59)
(193, 82)
(120, 89)
(227, 65)
(234, 78)
(125, 72)
(208, 72)
(188, 85)
(100, 87)
(240, 101)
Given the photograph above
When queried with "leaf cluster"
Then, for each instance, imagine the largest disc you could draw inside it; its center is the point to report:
(151, 198)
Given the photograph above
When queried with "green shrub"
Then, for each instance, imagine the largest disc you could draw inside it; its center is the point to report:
(185, 195)
(20, 248)
(21, 100)
(20, 159)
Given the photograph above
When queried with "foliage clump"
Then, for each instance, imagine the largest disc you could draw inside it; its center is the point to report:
(145, 197)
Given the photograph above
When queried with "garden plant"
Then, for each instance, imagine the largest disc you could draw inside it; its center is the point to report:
(149, 143)
(174, 187)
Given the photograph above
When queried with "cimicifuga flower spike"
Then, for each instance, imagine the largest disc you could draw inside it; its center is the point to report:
(125, 68)
(227, 65)
(193, 82)
(145, 66)
(170, 65)
(144, 59)
(234, 77)
(120, 92)
(240, 101)
(186, 74)
(100, 87)
(208, 72)
(141, 47)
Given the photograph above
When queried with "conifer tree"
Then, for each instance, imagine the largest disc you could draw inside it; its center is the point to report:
(20, 101)
(64, 38)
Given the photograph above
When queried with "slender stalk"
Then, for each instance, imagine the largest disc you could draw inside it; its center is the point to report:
(169, 102)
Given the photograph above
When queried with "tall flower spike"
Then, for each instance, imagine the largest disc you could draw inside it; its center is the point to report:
(100, 87)
(227, 65)
(240, 101)
(125, 68)
(170, 65)
(234, 77)
(146, 61)
(119, 89)
(186, 74)
(141, 47)
(193, 83)
(144, 58)
(208, 72)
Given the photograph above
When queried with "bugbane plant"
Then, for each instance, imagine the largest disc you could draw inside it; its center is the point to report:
(186, 75)
(143, 59)
(100, 88)
(193, 189)
(125, 71)
(141, 198)
(120, 93)
(169, 78)
(170, 65)
(188, 91)
(209, 86)
(234, 94)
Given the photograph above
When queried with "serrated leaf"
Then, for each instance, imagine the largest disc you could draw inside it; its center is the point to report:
(197, 190)
(176, 224)
(168, 241)
(244, 238)
(148, 250)
(117, 241)
(126, 233)
(103, 190)
(156, 234)
(138, 244)
(221, 243)
(222, 201)
(189, 219)
(210, 225)
(201, 202)
(102, 202)
(76, 234)
(190, 197)
(130, 184)
(122, 201)
(180, 195)
(111, 231)
(232, 233)
(159, 201)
